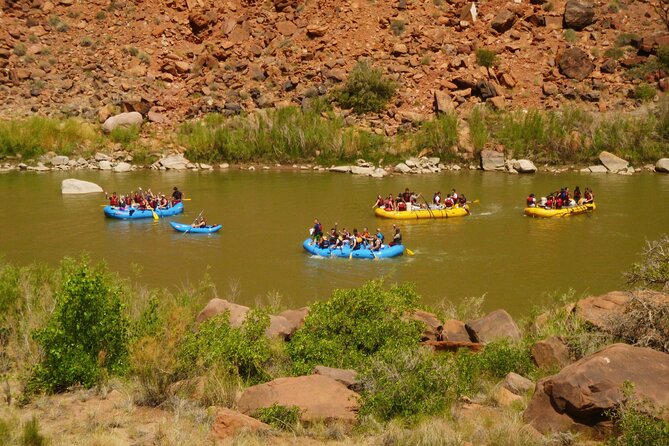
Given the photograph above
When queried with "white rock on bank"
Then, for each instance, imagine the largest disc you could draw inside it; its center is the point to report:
(524, 166)
(492, 160)
(355, 170)
(612, 162)
(174, 162)
(123, 120)
(403, 168)
(379, 173)
(59, 160)
(104, 165)
(598, 169)
(122, 167)
(340, 169)
(72, 186)
(662, 165)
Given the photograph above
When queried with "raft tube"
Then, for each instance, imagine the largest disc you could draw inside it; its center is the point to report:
(540, 212)
(191, 230)
(133, 214)
(455, 211)
(362, 253)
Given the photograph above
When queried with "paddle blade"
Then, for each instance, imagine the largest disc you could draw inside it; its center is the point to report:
(476, 201)
(410, 252)
(155, 215)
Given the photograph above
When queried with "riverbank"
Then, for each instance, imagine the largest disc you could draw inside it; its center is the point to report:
(369, 365)
(292, 138)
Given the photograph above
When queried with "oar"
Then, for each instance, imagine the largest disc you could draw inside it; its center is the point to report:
(410, 252)
(155, 215)
(428, 207)
(191, 225)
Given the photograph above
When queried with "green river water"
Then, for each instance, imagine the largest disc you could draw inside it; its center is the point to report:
(514, 260)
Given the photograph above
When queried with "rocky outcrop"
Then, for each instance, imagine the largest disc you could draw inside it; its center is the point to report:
(662, 165)
(122, 167)
(493, 326)
(517, 384)
(72, 186)
(580, 396)
(578, 14)
(551, 353)
(229, 423)
(318, 397)
(455, 331)
(122, 120)
(575, 64)
(600, 310)
(295, 317)
(492, 160)
(613, 163)
(347, 377)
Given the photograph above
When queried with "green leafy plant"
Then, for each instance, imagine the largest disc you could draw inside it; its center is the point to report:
(354, 324)
(486, 58)
(124, 135)
(20, 49)
(570, 35)
(644, 92)
(636, 423)
(439, 135)
(88, 334)
(366, 90)
(614, 53)
(86, 41)
(653, 270)
(398, 27)
(282, 417)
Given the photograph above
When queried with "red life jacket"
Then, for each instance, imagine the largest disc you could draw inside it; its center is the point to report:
(402, 206)
(113, 200)
(531, 201)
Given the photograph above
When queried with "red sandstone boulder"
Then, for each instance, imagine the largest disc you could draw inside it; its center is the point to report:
(347, 377)
(318, 397)
(430, 323)
(295, 317)
(579, 397)
(455, 331)
(493, 326)
(551, 353)
(218, 306)
(599, 310)
(575, 64)
(229, 423)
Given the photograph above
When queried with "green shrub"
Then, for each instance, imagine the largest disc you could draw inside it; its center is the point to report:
(59, 25)
(281, 417)
(614, 53)
(36, 135)
(653, 269)
(31, 435)
(244, 351)
(405, 383)
(644, 92)
(398, 27)
(144, 58)
(124, 135)
(100, 15)
(636, 423)
(353, 325)
(5, 432)
(486, 58)
(86, 41)
(570, 35)
(440, 135)
(478, 130)
(625, 39)
(663, 55)
(20, 49)
(366, 90)
(87, 335)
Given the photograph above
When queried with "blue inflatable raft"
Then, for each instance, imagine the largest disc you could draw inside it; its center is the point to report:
(191, 230)
(132, 213)
(362, 253)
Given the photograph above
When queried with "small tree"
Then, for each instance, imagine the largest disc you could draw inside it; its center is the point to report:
(366, 90)
(87, 335)
(653, 270)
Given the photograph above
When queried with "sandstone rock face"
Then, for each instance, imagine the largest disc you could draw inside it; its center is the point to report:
(524, 166)
(493, 326)
(662, 165)
(575, 64)
(598, 310)
(578, 14)
(516, 383)
(347, 377)
(318, 397)
(72, 186)
(612, 162)
(551, 353)
(455, 331)
(295, 317)
(217, 306)
(503, 21)
(492, 160)
(122, 120)
(579, 396)
(229, 423)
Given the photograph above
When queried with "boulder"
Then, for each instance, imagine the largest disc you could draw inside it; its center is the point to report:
(340, 169)
(122, 120)
(318, 397)
(229, 423)
(356, 170)
(122, 167)
(443, 103)
(104, 165)
(524, 166)
(516, 383)
(430, 323)
(99, 156)
(580, 396)
(492, 160)
(279, 327)
(503, 21)
(505, 398)
(455, 331)
(217, 306)
(402, 168)
(551, 353)
(599, 310)
(72, 186)
(493, 326)
(468, 12)
(578, 14)
(174, 162)
(575, 64)
(59, 160)
(347, 377)
(598, 169)
(295, 317)
(662, 165)
(612, 162)
(379, 172)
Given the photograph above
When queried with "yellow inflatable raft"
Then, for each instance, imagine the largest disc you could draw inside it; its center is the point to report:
(564, 212)
(423, 213)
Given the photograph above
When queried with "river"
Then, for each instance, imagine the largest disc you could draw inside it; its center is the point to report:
(514, 260)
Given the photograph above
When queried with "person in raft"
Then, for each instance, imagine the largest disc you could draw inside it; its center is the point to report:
(397, 237)
(380, 202)
(114, 199)
(200, 223)
(177, 195)
(531, 201)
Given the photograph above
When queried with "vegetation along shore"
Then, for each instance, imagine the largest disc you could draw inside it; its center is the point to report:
(90, 358)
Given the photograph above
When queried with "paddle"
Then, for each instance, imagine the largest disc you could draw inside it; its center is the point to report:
(428, 207)
(191, 225)
(410, 252)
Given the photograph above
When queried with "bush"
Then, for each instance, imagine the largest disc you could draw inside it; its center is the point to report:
(478, 130)
(663, 55)
(124, 135)
(439, 135)
(281, 417)
(20, 49)
(486, 58)
(636, 424)
(31, 435)
(405, 383)
(366, 90)
(570, 35)
(645, 323)
(244, 351)
(653, 270)
(398, 27)
(353, 325)
(87, 335)
(644, 92)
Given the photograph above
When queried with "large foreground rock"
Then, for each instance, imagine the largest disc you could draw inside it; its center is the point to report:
(318, 397)
(492, 160)
(229, 423)
(123, 120)
(612, 162)
(579, 397)
(73, 186)
(493, 326)
(575, 64)
(662, 165)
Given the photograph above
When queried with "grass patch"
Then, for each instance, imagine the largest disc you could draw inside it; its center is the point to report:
(645, 92)
(486, 58)
(124, 135)
(281, 417)
(439, 136)
(366, 90)
(398, 27)
(37, 135)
